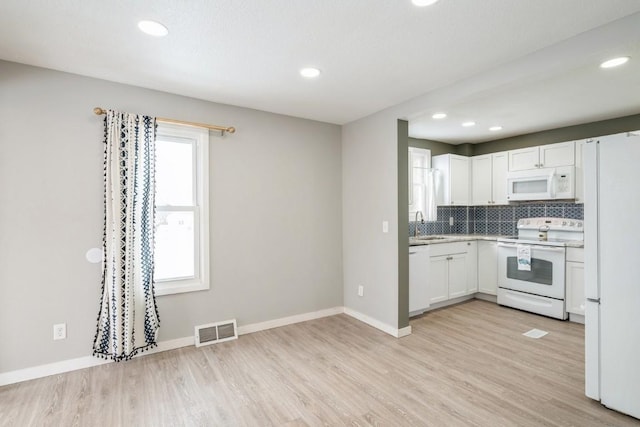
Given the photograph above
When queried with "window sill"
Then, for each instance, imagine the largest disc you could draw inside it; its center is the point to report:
(168, 289)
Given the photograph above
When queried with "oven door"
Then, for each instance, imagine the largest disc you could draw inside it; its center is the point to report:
(546, 277)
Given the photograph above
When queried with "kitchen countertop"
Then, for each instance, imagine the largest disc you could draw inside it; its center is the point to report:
(449, 238)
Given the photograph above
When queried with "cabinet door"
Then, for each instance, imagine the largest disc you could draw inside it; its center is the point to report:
(575, 287)
(458, 275)
(472, 268)
(499, 169)
(481, 182)
(554, 155)
(579, 172)
(459, 180)
(524, 159)
(418, 279)
(488, 268)
(438, 285)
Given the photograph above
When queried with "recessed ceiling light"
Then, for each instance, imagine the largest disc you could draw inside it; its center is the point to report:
(309, 72)
(422, 3)
(468, 124)
(438, 116)
(495, 128)
(153, 28)
(614, 62)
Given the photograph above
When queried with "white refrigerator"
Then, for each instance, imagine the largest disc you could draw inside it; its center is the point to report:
(612, 271)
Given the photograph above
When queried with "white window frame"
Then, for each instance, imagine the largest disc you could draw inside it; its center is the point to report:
(200, 140)
(425, 153)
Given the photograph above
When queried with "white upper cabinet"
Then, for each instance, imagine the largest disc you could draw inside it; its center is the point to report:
(489, 179)
(453, 187)
(481, 180)
(524, 158)
(554, 155)
(544, 156)
(499, 170)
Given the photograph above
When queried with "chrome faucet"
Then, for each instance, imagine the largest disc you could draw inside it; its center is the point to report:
(416, 233)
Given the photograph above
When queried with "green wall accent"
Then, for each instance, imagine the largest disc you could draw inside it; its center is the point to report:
(569, 133)
(436, 147)
(403, 223)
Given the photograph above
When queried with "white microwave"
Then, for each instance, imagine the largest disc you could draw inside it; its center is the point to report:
(541, 184)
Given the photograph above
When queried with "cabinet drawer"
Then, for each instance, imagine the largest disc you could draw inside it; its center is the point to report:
(575, 254)
(450, 248)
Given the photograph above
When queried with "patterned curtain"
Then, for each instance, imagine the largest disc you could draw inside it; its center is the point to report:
(128, 320)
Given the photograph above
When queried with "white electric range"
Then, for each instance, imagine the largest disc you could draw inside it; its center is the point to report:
(531, 265)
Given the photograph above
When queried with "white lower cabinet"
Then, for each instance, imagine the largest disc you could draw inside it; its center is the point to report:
(453, 271)
(418, 278)
(438, 279)
(574, 270)
(488, 267)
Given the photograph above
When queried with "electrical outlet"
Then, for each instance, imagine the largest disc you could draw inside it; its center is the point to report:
(385, 226)
(360, 291)
(60, 331)
(451, 220)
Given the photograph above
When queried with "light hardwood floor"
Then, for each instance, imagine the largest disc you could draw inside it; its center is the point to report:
(466, 365)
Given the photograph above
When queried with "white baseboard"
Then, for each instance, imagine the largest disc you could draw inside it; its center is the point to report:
(63, 366)
(576, 318)
(68, 365)
(284, 321)
(487, 297)
(403, 332)
(394, 332)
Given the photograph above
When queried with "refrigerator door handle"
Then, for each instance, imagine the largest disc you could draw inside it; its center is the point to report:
(596, 300)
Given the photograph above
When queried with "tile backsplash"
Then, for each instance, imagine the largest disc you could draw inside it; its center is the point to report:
(494, 219)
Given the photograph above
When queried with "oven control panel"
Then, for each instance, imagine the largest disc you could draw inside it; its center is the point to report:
(546, 224)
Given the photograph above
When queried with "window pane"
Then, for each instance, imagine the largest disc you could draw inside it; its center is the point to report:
(174, 173)
(174, 248)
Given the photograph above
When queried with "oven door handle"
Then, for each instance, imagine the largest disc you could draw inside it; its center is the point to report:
(536, 247)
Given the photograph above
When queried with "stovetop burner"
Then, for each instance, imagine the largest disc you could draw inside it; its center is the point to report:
(547, 232)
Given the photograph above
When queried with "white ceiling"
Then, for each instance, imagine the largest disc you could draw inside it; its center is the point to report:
(373, 54)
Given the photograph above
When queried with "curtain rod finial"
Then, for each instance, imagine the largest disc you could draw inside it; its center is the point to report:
(98, 111)
(231, 130)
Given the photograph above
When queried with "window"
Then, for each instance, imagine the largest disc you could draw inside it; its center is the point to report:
(419, 164)
(182, 209)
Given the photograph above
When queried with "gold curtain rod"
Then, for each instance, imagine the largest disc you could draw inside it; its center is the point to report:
(99, 111)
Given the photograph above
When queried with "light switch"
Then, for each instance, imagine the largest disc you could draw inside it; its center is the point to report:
(385, 226)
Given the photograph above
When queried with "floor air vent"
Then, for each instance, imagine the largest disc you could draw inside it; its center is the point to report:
(216, 332)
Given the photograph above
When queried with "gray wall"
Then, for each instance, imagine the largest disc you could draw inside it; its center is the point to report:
(276, 224)
(370, 196)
